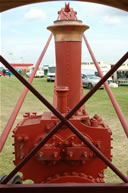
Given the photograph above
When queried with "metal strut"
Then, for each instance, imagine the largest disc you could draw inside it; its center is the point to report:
(110, 94)
(20, 101)
(64, 120)
(69, 188)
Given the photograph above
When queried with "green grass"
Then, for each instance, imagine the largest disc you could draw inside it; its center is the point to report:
(99, 103)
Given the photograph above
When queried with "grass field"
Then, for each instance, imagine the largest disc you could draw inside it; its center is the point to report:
(10, 90)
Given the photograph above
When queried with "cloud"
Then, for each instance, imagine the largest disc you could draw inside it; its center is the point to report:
(34, 14)
(112, 20)
(114, 16)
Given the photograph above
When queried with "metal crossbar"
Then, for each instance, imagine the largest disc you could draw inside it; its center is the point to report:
(69, 188)
(64, 119)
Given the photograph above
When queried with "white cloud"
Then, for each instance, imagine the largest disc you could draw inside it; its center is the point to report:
(114, 16)
(35, 14)
(112, 20)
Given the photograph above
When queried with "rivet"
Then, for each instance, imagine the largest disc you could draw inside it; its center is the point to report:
(19, 138)
(26, 138)
(55, 154)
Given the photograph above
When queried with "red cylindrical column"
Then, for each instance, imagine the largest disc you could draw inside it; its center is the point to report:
(62, 99)
(68, 36)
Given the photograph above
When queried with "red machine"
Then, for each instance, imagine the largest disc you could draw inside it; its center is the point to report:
(64, 158)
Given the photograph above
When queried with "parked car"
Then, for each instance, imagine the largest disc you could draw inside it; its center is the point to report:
(90, 80)
(51, 73)
(89, 70)
(39, 73)
(109, 80)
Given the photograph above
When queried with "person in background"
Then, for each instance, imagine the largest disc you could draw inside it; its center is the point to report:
(4, 72)
(9, 73)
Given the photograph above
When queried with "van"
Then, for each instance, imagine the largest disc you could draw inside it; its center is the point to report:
(51, 73)
(39, 73)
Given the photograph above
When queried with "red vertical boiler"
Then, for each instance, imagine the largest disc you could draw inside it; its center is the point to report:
(68, 36)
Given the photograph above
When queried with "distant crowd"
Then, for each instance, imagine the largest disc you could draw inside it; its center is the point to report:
(5, 72)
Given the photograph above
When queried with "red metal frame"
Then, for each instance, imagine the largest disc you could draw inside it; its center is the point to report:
(69, 188)
(69, 125)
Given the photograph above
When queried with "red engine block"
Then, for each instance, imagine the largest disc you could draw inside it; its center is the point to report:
(64, 158)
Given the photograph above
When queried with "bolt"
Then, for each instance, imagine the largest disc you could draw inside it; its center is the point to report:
(74, 174)
(27, 114)
(60, 143)
(98, 180)
(63, 150)
(55, 154)
(82, 143)
(82, 174)
(22, 156)
(94, 123)
(73, 144)
(48, 128)
(70, 154)
(34, 113)
(21, 146)
(84, 155)
(19, 138)
(26, 138)
(90, 177)
(41, 154)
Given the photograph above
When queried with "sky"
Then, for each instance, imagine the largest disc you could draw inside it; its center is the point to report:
(24, 32)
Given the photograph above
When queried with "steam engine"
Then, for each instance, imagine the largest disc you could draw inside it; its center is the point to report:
(64, 158)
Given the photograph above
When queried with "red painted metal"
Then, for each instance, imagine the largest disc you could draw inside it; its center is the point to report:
(68, 70)
(22, 65)
(64, 158)
(110, 94)
(54, 130)
(69, 188)
(20, 101)
(67, 13)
